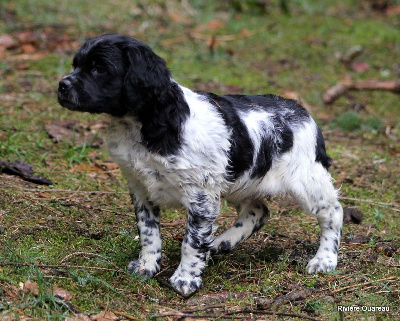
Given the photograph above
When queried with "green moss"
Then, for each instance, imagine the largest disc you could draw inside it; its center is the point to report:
(350, 121)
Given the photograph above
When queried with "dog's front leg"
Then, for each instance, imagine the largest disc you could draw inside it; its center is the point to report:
(148, 224)
(202, 212)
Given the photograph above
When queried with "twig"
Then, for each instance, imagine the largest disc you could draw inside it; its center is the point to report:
(363, 284)
(221, 315)
(179, 222)
(204, 307)
(53, 266)
(343, 86)
(369, 201)
(65, 259)
(334, 93)
(125, 315)
(69, 191)
(219, 38)
(283, 314)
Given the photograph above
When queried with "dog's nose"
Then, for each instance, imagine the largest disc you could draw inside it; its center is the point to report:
(64, 85)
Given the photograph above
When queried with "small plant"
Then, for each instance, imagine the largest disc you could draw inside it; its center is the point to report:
(373, 124)
(378, 216)
(349, 121)
(10, 145)
(77, 154)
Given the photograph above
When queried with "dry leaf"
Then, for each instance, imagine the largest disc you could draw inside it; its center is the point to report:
(24, 170)
(291, 95)
(73, 133)
(84, 168)
(176, 17)
(28, 48)
(79, 317)
(104, 316)
(44, 195)
(359, 66)
(107, 165)
(31, 287)
(62, 294)
(6, 41)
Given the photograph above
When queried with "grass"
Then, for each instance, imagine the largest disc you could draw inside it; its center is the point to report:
(291, 47)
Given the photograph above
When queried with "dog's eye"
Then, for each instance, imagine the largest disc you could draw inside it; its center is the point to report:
(99, 70)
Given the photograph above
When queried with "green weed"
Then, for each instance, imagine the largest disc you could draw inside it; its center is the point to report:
(350, 121)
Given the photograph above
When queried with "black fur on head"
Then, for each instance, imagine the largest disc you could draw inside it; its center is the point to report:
(120, 75)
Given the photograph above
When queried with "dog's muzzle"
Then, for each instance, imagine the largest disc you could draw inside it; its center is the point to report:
(64, 93)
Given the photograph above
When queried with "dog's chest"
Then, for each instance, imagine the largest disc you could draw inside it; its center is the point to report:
(146, 171)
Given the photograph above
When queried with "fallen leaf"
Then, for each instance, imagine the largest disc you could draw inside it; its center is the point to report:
(24, 170)
(79, 317)
(12, 292)
(178, 18)
(6, 41)
(291, 95)
(359, 66)
(212, 25)
(393, 10)
(44, 195)
(62, 294)
(31, 287)
(73, 133)
(98, 125)
(293, 296)
(386, 249)
(107, 165)
(104, 316)
(28, 48)
(84, 168)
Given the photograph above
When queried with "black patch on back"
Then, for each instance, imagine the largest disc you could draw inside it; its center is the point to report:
(242, 149)
(320, 151)
(285, 113)
(270, 148)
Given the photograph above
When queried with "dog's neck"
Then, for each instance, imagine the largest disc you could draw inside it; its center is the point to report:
(162, 116)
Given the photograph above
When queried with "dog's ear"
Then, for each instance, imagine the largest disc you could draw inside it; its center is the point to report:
(146, 78)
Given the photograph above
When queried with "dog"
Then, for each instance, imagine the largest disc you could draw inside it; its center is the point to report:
(179, 147)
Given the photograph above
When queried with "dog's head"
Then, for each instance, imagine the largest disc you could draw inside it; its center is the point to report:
(114, 74)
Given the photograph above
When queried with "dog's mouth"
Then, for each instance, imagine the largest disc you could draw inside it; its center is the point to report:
(66, 102)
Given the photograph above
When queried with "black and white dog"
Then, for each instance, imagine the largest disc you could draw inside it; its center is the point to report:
(178, 147)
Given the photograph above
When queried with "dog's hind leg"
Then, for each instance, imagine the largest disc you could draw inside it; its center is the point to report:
(252, 216)
(148, 224)
(315, 191)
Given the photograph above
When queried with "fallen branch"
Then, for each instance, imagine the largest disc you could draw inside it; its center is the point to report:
(205, 307)
(64, 266)
(171, 224)
(369, 201)
(221, 315)
(125, 315)
(69, 191)
(69, 256)
(363, 284)
(343, 86)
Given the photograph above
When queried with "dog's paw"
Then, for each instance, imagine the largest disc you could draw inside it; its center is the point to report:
(185, 284)
(143, 268)
(322, 263)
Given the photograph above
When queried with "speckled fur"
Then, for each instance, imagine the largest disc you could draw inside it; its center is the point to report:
(196, 179)
(180, 148)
